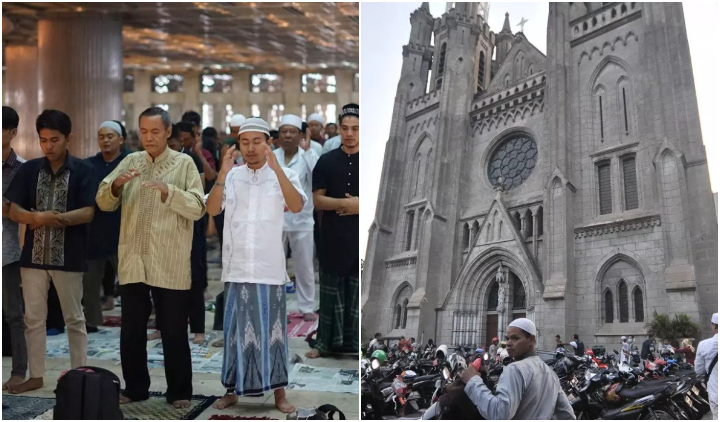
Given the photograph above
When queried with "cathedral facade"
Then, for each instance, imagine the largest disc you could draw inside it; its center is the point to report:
(571, 188)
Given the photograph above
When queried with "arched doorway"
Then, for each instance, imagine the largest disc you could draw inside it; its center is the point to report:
(501, 308)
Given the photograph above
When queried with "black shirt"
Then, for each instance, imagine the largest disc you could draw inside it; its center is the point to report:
(195, 158)
(105, 227)
(74, 186)
(338, 173)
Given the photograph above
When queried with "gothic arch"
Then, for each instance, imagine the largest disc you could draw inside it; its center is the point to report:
(601, 286)
(601, 66)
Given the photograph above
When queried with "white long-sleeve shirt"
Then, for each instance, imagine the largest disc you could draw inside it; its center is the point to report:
(706, 352)
(303, 163)
(527, 389)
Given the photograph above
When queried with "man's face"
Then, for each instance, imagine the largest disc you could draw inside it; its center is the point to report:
(175, 144)
(350, 131)
(109, 141)
(234, 130)
(187, 139)
(251, 147)
(289, 137)
(7, 136)
(154, 134)
(315, 129)
(53, 143)
(518, 342)
(331, 130)
(496, 342)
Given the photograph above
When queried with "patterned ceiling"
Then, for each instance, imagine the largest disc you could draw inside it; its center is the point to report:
(227, 36)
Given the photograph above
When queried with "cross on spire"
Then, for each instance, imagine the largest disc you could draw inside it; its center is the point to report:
(522, 23)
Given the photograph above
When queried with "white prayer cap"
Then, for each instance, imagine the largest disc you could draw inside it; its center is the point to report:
(316, 118)
(714, 318)
(255, 124)
(111, 125)
(525, 325)
(237, 120)
(292, 120)
(623, 338)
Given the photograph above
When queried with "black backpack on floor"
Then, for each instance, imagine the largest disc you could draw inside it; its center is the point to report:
(88, 393)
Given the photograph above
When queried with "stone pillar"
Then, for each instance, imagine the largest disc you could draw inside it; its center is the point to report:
(535, 234)
(191, 89)
(80, 70)
(292, 91)
(21, 83)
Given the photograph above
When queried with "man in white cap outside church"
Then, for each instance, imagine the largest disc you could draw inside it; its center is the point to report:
(527, 389)
(255, 197)
(295, 153)
(706, 365)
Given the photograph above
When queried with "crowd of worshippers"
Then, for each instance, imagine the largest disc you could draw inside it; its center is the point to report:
(144, 216)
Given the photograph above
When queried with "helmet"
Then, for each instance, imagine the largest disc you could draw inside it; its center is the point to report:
(479, 350)
(503, 344)
(441, 349)
(494, 339)
(379, 355)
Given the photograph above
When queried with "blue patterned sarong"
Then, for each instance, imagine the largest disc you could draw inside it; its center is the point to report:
(255, 330)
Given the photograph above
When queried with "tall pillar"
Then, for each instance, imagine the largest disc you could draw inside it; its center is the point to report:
(80, 72)
(21, 84)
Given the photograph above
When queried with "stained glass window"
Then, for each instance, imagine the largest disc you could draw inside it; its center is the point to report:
(514, 160)
(518, 294)
(493, 300)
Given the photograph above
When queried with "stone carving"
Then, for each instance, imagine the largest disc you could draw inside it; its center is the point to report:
(500, 278)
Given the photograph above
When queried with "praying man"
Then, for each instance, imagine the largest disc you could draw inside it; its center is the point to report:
(254, 197)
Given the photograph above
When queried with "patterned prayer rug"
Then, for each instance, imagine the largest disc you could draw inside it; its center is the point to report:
(23, 407)
(157, 408)
(298, 328)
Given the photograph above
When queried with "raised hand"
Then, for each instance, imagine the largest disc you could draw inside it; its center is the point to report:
(228, 160)
(271, 159)
(197, 146)
(157, 185)
(125, 177)
(305, 141)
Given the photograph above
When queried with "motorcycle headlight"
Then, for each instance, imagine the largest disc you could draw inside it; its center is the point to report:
(375, 364)
(446, 373)
(486, 356)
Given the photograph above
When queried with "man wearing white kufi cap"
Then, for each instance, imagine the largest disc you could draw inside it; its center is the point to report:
(316, 123)
(706, 365)
(254, 197)
(295, 153)
(528, 387)
(235, 122)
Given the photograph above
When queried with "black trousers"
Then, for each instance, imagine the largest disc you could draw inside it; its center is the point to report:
(198, 265)
(109, 281)
(171, 312)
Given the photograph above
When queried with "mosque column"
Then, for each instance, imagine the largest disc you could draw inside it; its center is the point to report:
(80, 72)
(21, 83)
(241, 92)
(292, 92)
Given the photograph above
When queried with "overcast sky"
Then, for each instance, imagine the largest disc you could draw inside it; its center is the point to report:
(385, 28)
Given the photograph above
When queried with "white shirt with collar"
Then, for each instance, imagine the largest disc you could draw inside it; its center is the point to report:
(303, 163)
(252, 236)
(706, 351)
(331, 144)
(316, 147)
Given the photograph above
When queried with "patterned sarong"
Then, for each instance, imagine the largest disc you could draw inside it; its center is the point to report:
(255, 330)
(339, 326)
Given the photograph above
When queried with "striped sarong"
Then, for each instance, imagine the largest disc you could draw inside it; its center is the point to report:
(255, 331)
(339, 324)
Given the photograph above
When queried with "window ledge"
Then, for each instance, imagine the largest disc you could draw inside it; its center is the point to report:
(614, 148)
(402, 259)
(609, 223)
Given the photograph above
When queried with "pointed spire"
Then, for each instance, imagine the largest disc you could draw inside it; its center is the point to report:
(506, 25)
(425, 6)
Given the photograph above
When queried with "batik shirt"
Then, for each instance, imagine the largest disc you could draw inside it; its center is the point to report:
(36, 187)
(252, 237)
(155, 236)
(10, 241)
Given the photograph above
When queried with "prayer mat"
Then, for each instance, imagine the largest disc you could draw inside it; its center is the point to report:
(157, 408)
(298, 328)
(23, 407)
(115, 321)
(242, 418)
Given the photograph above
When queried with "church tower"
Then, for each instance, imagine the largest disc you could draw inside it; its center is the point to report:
(485, 47)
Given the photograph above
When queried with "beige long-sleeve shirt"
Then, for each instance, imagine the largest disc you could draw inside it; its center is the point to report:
(156, 236)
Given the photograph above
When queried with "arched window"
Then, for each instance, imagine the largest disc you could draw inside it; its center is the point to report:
(528, 224)
(518, 294)
(465, 236)
(404, 313)
(516, 220)
(623, 296)
(481, 72)
(493, 298)
(638, 302)
(475, 231)
(539, 219)
(441, 67)
(398, 312)
(609, 315)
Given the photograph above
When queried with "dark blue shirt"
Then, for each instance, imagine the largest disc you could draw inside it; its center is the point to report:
(339, 250)
(105, 227)
(35, 187)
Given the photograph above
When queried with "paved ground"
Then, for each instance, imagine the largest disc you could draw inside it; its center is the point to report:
(209, 384)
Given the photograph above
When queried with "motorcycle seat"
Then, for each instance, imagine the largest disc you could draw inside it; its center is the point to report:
(422, 378)
(640, 391)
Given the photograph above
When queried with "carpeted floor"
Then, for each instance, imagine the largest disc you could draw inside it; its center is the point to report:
(154, 408)
(299, 328)
(24, 408)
